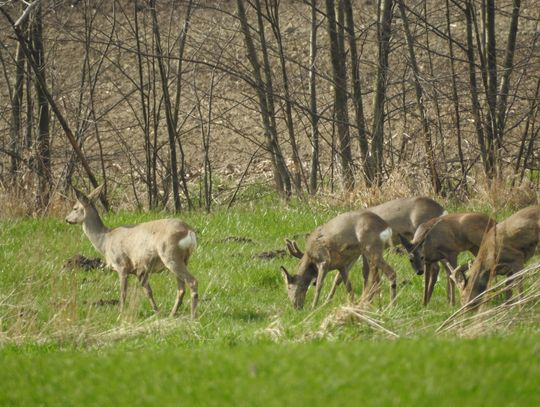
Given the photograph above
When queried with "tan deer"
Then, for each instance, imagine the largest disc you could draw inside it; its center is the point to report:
(140, 249)
(504, 251)
(337, 245)
(441, 240)
(403, 215)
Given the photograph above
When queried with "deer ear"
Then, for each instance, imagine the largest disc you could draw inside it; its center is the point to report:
(287, 276)
(81, 197)
(406, 243)
(94, 195)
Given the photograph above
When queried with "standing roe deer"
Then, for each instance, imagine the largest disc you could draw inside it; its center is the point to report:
(442, 239)
(337, 245)
(504, 250)
(140, 249)
(403, 215)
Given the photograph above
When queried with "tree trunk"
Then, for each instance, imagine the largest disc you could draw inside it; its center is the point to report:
(313, 114)
(493, 141)
(377, 144)
(273, 8)
(171, 125)
(340, 95)
(455, 98)
(43, 150)
(16, 119)
(428, 145)
(485, 153)
(507, 70)
(150, 165)
(367, 164)
(281, 175)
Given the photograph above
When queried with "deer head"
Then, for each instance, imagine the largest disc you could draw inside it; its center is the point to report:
(460, 277)
(415, 253)
(297, 285)
(84, 203)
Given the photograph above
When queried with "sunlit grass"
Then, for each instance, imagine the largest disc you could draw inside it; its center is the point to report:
(66, 322)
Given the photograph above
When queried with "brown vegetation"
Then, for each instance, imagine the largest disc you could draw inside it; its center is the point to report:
(176, 103)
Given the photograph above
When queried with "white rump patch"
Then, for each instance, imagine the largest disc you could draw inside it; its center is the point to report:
(188, 242)
(386, 235)
(444, 213)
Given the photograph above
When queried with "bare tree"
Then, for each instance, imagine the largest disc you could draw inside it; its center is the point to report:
(420, 99)
(384, 30)
(367, 164)
(339, 76)
(313, 114)
(265, 98)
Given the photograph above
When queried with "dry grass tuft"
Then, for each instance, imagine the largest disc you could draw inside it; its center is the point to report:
(274, 330)
(518, 310)
(499, 195)
(20, 202)
(403, 182)
(357, 314)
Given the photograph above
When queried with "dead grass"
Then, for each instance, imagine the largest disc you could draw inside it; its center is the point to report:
(499, 195)
(516, 311)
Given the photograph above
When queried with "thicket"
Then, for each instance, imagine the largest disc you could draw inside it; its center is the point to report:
(180, 104)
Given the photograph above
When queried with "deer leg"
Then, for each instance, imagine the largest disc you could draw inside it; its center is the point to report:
(373, 281)
(427, 278)
(123, 276)
(143, 279)
(178, 267)
(335, 283)
(365, 269)
(511, 262)
(450, 265)
(344, 273)
(321, 274)
(391, 275)
(180, 291)
(434, 274)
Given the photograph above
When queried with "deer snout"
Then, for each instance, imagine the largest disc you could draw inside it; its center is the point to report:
(70, 220)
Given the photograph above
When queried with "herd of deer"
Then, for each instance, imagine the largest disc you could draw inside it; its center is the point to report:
(428, 233)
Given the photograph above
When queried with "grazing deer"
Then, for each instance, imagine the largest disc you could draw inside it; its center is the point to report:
(504, 250)
(337, 245)
(442, 239)
(403, 215)
(140, 249)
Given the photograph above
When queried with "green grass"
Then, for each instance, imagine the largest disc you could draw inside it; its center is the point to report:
(483, 371)
(60, 346)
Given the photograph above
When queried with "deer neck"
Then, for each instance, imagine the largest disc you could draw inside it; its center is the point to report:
(96, 231)
(307, 271)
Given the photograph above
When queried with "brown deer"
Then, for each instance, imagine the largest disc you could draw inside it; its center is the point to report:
(337, 245)
(504, 251)
(140, 249)
(441, 240)
(403, 215)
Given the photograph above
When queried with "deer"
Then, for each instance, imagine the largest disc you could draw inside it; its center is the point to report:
(504, 251)
(442, 239)
(403, 215)
(140, 249)
(337, 245)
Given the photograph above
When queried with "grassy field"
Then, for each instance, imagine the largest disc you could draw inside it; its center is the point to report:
(62, 343)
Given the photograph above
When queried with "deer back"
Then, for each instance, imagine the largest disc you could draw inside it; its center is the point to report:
(404, 215)
(143, 244)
